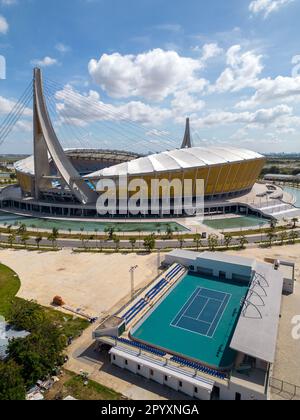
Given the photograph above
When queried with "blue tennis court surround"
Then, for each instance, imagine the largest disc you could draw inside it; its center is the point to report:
(202, 312)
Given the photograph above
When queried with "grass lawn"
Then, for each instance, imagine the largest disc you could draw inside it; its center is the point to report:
(72, 384)
(9, 286)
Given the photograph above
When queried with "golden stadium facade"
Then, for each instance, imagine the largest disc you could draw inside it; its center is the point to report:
(68, 178)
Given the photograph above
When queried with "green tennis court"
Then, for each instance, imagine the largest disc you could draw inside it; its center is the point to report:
(196, 320)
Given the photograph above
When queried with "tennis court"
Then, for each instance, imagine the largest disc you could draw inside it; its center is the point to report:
(196, 320)
(202, 312)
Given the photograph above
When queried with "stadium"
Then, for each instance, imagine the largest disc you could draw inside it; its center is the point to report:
(207, 327)
(59, 182)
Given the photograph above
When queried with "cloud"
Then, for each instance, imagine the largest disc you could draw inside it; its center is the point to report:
(62, 48)
(266, 7)
(8, 2)
(241, 72)
(278, 89)
(4, 26)
(72, 106)
(6, 105)
(153, 75)
(45, 62)
(260, 118)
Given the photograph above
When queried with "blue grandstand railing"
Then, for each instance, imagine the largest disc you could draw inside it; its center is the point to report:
(140, 346)
(142, 303)
(199, 367)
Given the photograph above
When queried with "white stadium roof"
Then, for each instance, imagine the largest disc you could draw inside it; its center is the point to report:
(176, 160)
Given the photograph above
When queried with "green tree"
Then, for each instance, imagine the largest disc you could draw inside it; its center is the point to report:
(110, 230)
(295, 220)
(169, 231)
(38, 239)
(132, 243)
(149, 243)
(24, 239)
(197, 241)
(243, 242)
(227, 240)
(116, 241)
(25, 315)
(12, 387)
(283, 236)
(181, 242)
(271, 238)
(293, 236)
(213, 242)
(39, 354)
(11, 239)
(53, 237)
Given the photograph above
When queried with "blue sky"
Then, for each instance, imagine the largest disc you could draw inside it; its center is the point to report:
(232, 66)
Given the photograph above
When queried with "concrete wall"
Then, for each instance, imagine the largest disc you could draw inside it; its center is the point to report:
(214, 267)
(170, 381)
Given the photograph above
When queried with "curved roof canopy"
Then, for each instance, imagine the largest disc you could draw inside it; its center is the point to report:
(177, 160)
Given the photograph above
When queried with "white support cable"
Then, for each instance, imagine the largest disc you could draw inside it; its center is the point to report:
(16, 105)
(121, 117)
(112, 128)
(16, 117)
(10, 119)
(63, 127)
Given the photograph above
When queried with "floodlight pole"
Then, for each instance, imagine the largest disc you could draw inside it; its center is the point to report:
(132, 271)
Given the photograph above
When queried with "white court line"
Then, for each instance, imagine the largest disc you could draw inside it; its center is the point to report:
(194, 319)
(173, 323)
(227, 294)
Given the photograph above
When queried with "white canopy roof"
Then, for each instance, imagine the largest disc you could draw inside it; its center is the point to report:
(176, 160)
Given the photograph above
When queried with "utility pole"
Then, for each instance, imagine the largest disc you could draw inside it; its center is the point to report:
(132, 271)
(158, 260)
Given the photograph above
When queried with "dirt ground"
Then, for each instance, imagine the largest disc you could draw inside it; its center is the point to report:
(93, 283)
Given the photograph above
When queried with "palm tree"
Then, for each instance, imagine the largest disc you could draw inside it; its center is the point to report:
(116, 241)
(149, 243)
(38, 240)
(24, 238)
(295, 220)
(243, 241)
(197, 240)
(132, 243)
(213, 242)
(169, 231)
(273, 224)
(96, 233)
(227, 240)
(110, 230)
(11, 239)
(181, 242)
(271, 237)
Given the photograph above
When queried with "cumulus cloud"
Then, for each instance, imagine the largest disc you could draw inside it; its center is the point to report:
(241, 72)
(72, 107)
(45, 62)
(260, 118)
(153, 75)
(6, 105)
(267, 90)
(266, 7)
